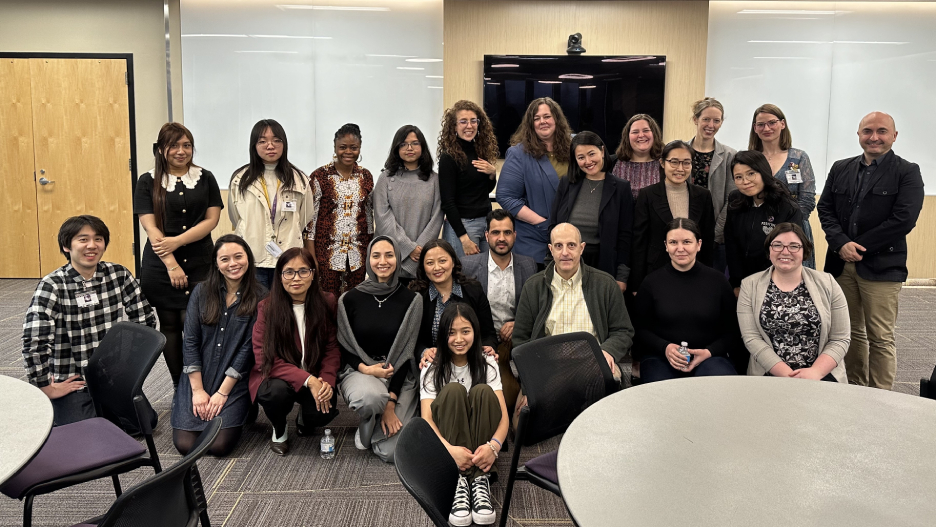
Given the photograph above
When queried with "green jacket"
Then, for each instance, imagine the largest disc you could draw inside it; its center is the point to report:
(605, 306)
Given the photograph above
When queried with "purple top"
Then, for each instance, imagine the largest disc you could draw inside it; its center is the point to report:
(638, 174)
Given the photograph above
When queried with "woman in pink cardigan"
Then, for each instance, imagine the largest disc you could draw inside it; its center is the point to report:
(295, 350)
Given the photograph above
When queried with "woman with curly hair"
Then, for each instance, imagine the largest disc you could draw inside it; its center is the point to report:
(530, 175)
(467, 175)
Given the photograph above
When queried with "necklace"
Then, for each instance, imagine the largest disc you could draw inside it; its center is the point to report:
(380, 302)
(597, 184)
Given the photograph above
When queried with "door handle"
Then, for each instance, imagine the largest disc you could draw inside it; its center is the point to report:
(44, 181)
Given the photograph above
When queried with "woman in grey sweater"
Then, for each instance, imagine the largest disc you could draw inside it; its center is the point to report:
(407, 203)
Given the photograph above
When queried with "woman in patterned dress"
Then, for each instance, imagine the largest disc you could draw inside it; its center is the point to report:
(344, 224)
(794, 320)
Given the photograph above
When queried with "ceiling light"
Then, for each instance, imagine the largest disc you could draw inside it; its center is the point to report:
(493, 84)
(435, 87)
(289, 36)
(576, 76)
(423, 60)
(331, 7)
(587, 87)
(409, 68)
(788, 12)
(550, 82)
(434, 76)
(505, 65)
(210, 35)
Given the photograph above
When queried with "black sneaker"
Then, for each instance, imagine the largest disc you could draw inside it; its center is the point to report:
(482, 511)
(461, 508)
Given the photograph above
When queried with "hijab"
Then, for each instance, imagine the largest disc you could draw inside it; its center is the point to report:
(371, 285)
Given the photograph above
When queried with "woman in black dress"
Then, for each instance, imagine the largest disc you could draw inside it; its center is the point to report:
(178, 204)
(218, 350)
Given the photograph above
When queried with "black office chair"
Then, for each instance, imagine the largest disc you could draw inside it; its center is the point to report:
(426, 469)
(928, 386)
(96, 448)
(165, 500)
(560, 376)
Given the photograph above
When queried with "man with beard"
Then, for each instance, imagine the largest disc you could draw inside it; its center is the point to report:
(502, 275)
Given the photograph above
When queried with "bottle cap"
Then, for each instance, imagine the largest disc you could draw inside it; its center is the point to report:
(328, 431)
(683, 344)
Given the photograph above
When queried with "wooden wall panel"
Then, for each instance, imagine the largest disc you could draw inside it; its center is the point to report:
(676, 29)
(921, 260)
(19, 235)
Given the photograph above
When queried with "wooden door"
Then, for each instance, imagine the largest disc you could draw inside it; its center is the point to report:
(19, 235)
(81, 132)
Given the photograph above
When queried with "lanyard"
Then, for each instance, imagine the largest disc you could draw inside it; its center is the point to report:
(266, 194)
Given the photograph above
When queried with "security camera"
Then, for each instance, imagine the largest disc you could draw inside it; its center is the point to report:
(575, 44)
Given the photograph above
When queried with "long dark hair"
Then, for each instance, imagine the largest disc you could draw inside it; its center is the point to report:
(250, 289)
(395, 162)
(421, 282)
(532, 144)
(169, 134)
(442, 367)
(586, 139)
(284, 169)
(278, 339)
(774, 190)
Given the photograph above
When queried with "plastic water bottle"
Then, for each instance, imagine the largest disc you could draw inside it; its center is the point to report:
(683, 350)
(328, 445)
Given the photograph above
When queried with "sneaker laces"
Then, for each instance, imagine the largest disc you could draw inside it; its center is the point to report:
(461, 495)
(481, 494)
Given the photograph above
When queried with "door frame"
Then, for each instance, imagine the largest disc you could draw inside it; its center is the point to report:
(131, 103)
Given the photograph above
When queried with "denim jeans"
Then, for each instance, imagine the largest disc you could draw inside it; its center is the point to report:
(474, 227)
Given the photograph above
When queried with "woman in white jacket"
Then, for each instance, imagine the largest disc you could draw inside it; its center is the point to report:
(271, 202)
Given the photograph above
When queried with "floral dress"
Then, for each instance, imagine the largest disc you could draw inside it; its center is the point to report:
(792, 323)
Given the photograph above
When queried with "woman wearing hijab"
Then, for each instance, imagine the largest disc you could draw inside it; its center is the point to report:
(378, 322)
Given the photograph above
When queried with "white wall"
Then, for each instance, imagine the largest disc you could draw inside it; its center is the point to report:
(826, 65)
(264, 65)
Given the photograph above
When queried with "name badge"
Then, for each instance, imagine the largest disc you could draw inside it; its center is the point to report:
(87, 299)
(273, 249)
(794, 176)
(289, 206)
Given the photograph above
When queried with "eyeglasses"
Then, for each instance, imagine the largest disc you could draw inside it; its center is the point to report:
(676, 163)
(750, 176)
(778, 247)
(414, 145)
(768, 124)
(464, 122)
(289, 274)
(263, 142)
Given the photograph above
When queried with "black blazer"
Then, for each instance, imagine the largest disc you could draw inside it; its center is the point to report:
(474, 297)
(889, 205)
(615, 219)
(476, 266)
(651, 216)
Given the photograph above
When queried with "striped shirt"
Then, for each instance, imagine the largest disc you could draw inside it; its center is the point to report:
(68, 317)
(569, 313)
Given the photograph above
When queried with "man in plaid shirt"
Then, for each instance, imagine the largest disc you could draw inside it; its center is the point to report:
(71, 310)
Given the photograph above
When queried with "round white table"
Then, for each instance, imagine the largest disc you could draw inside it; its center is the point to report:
(25, 422)
(717, 451)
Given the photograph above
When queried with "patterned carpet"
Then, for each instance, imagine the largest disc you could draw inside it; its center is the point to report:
(254, 487)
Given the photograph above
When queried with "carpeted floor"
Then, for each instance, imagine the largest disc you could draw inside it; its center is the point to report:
(254, 487)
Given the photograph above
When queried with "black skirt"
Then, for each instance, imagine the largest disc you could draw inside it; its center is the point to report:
(194, 259)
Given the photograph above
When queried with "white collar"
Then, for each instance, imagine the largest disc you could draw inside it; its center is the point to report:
(492, 265)
(190, 179)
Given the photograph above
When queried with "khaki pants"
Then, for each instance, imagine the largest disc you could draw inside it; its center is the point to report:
(872, 307)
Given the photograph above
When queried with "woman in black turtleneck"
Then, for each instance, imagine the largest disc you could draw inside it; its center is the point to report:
(467, 175)
(685, 302)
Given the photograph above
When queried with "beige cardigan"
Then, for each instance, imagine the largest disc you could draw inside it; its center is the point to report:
(834, 336)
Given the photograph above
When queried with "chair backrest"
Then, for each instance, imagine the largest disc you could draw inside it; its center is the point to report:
(166, 498)
(426, 469)
(561, 376)
(118, 367)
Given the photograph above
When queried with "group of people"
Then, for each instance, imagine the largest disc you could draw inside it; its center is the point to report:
(681, 259)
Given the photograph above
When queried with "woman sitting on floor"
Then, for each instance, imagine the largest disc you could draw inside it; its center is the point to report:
(463, 400)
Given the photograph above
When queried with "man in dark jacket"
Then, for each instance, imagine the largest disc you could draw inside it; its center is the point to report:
(868, 206)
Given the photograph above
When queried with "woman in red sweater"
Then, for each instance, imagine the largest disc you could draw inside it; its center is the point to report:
(295, 350)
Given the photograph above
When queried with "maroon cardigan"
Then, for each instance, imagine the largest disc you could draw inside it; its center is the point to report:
(294, 375)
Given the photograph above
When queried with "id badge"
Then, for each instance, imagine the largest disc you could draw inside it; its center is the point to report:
(273, 249)
(87, 299)
(794, 176)
(289, 206)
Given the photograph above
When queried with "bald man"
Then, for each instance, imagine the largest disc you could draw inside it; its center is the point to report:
(868, 206)
(570, 296)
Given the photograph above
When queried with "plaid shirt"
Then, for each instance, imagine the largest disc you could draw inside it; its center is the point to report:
(456, 296)
(569, 312)
(59, 336)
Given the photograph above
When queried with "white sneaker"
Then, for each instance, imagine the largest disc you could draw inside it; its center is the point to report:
(357, 440)
(461, 508)
(482, 511)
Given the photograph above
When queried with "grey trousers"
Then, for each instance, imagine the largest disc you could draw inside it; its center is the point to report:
(367, 396)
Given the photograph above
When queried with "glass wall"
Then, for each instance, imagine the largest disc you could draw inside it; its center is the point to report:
(826, 65)
(313, 68)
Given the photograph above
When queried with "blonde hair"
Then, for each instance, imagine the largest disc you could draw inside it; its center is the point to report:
(709, 102)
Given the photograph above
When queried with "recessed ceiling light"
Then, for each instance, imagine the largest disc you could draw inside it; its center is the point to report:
(331, 7)
(505, 65)
(576, 76)
(435, 87)
(213, 35)
(423, 60)
(290, 36)
(550, 82)
(434, 76)
(493, 84)
(409, 68)
(587, 87)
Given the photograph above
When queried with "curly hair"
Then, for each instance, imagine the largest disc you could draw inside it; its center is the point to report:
(526, 135)
(485, 140)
